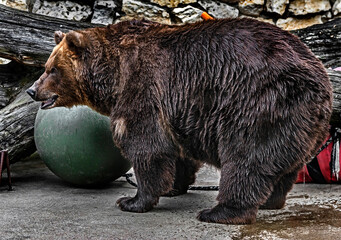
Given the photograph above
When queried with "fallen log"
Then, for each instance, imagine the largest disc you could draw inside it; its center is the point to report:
(324, 40)
(17, 126)
(335, 78)
(13, 76)
(28, 38)
(18, 116)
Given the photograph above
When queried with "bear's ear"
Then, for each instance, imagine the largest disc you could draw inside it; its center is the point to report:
(58, 36)
(75, 41)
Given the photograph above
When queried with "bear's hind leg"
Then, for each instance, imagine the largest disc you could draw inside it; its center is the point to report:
(280, 191)
(241, 191)
(184, 176)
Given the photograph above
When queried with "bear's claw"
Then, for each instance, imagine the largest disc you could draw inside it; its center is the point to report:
(134, 204)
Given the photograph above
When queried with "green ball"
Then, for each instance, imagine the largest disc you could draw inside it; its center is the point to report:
(76, 144)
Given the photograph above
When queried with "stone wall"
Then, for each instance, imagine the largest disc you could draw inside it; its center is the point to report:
(287, 14)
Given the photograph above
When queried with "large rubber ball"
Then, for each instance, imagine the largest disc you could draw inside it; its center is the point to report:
(76, 144)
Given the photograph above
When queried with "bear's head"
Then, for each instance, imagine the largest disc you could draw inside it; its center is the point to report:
(59, 85)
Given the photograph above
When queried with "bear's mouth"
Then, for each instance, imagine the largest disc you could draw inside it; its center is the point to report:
(49, 102)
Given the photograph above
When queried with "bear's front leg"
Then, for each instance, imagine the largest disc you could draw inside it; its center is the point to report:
(154, 175)
(153, 157)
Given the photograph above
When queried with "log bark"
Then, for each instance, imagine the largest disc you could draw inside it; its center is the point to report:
(13, 76)
(18, 116)
(324, 40)
(28, 39)
(17, 125)
(335, 78)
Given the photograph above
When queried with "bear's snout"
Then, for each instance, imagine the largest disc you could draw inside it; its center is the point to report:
(32, 92)
(46, 98)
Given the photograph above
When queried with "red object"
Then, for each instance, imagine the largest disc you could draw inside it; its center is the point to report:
(206, 16)
(322, 167)
(303, 176)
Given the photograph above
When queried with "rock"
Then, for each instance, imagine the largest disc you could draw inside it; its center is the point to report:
(219, 10)
(229, 1)
(65, 10)
(105, 4)
(187, 14)
(251, 7)
(138, 10)
(104, 12)
(337, 7)
(4, 61)
(302, 7)
(267, 20)
(172, 3)
(276, 6)
(17, 4)
(327, 16)
(294, 23)
(30, 4)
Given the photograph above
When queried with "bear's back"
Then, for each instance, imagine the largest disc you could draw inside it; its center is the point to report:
(234, 77)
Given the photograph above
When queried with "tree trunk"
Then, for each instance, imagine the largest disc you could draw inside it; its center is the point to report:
(28, 39)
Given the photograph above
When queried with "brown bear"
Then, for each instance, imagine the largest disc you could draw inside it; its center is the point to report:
(242, 95)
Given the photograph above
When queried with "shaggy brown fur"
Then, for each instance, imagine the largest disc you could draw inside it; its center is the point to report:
(239, 94)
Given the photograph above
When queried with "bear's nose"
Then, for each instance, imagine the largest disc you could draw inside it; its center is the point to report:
(32, 93)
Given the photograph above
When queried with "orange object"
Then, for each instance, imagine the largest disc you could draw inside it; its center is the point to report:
(206, 16)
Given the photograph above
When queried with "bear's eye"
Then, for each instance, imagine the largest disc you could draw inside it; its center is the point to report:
(53, 70)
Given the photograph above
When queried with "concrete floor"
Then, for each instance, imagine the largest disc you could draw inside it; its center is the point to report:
(44, 207)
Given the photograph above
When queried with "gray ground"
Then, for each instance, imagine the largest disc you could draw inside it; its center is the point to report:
(44, 207)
